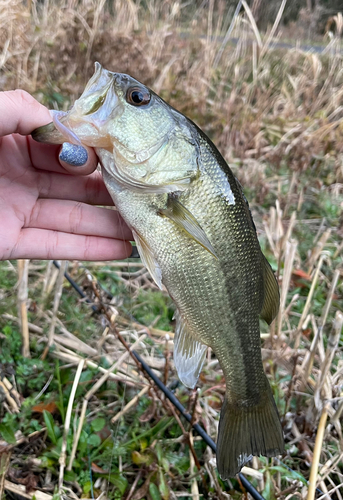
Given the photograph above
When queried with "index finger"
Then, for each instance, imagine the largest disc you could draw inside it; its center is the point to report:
(21, 113)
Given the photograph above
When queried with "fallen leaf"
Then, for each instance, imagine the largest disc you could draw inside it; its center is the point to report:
(299, 273)
(50, 407)
(97, 469)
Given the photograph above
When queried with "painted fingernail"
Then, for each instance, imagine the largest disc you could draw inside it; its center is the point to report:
(74, 155)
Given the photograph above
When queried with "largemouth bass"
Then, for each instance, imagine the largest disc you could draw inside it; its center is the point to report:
(195, 234)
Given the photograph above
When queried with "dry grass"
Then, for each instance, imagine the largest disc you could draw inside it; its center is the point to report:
(281, 105)
(277, 117)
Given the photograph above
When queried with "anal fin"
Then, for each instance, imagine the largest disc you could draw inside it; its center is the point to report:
(189, 354)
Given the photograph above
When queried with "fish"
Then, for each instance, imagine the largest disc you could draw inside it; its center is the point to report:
(195, 234)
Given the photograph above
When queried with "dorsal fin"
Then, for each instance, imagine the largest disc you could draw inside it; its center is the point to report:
(271, 300)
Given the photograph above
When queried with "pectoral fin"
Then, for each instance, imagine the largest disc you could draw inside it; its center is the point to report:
(271, 293)
(183, 218)
(189, 354)
(148, 259)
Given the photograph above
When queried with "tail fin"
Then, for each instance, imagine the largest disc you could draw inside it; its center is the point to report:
(247, 431)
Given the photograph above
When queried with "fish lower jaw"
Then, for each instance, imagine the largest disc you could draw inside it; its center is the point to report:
(94, 139)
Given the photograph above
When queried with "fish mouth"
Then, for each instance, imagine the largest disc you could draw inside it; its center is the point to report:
(79, 125)
(99, 103)
(87, 119)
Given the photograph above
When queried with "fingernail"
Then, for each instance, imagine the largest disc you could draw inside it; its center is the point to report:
(74, 155)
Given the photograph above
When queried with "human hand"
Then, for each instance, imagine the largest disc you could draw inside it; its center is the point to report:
(46, 213)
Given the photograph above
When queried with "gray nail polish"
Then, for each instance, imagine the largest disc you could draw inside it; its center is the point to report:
(74, 155)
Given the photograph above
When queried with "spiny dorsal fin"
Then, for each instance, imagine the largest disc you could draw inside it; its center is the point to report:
(183, 218)
(189, 354)
(271, 293)
(148, 259)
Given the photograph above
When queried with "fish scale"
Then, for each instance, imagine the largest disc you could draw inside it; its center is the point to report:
(194, 232)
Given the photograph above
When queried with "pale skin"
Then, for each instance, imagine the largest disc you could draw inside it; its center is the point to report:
(47, 207)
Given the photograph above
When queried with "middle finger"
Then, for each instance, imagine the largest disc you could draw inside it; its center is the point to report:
(78, 218)
(87, 188)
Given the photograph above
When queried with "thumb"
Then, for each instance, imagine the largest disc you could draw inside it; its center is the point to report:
(77, 160)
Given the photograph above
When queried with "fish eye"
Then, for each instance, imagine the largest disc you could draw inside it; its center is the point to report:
(137, 96)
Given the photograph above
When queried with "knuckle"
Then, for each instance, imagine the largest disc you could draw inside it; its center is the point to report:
(14, 251)
(89, 246)
(24, 98)
(32, 216)
(75, 218)
(93, 186)
(51, 245)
